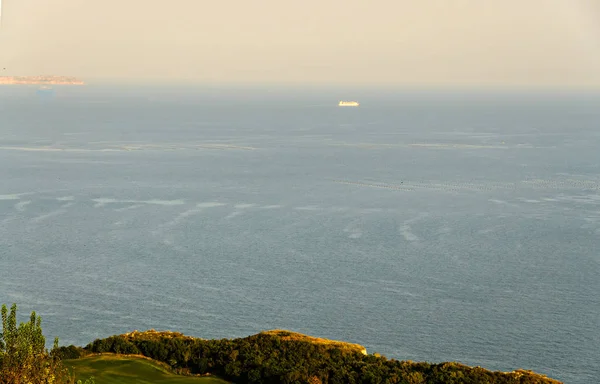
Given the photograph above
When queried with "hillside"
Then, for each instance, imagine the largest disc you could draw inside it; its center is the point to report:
(114, 369)
(281, 356)
(284, 335)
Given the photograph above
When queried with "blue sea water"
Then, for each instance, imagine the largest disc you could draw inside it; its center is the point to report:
(425, 226)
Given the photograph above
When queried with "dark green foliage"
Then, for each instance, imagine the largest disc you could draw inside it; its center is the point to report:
(70, 352)
(115, 344)
(266, 358)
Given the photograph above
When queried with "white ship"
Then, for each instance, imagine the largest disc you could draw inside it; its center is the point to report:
(348, 104)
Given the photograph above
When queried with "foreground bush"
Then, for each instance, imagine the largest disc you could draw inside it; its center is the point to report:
(23, 354)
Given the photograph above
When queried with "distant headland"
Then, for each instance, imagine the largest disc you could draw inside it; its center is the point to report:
(40, 80)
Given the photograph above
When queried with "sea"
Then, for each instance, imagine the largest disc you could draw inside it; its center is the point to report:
(427, 226)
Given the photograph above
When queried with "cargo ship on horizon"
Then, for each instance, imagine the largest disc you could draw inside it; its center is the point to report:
(348, 104)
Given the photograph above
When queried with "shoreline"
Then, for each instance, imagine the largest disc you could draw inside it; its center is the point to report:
(40, 80)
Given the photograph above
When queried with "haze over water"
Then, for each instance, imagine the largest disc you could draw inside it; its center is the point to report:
(437, 227)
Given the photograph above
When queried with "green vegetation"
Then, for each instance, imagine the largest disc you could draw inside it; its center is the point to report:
(284, 335)
(23, 354)
(118, 369)
(269, 357)
(287, 357)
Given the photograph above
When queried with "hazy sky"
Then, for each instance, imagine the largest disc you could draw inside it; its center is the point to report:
(394, 42)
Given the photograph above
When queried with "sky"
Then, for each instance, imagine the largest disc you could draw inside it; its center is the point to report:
(489, 43)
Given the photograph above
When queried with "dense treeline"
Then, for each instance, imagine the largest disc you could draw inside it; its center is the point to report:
(279, 358)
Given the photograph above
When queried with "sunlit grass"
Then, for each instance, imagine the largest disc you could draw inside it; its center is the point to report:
(117, 369)
(294, 336)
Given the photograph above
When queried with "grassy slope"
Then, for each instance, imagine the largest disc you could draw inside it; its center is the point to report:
(113, 369)
(284, 335)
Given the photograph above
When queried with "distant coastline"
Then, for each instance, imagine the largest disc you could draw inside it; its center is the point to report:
(40, 80)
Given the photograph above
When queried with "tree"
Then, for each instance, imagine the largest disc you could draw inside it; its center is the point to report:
(23, 354)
